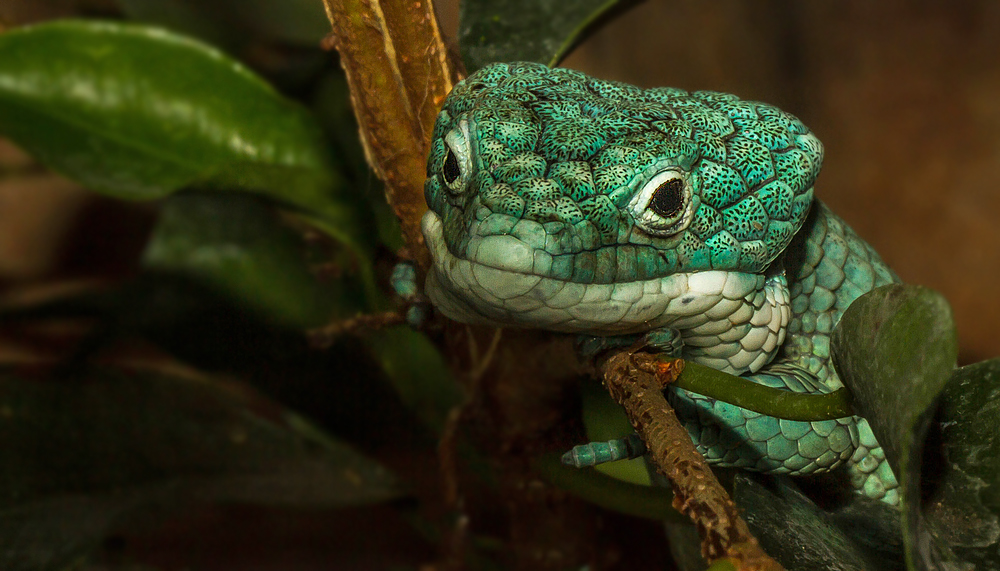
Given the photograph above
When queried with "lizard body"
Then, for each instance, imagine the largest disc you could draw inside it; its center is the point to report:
(569, 203)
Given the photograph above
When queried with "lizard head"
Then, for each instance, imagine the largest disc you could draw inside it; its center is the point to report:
(545, 182)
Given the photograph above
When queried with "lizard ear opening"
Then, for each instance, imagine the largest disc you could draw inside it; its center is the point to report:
(662, 207)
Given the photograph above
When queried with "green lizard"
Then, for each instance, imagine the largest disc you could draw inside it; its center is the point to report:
(568, 203)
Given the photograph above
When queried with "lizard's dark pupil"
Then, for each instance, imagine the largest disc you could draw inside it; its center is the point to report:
(451, 171)
(668, 198)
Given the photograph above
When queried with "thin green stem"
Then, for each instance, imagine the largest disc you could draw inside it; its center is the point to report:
(765, 400)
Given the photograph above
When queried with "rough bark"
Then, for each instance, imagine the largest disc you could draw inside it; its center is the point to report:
(399, 73)
(636, 382)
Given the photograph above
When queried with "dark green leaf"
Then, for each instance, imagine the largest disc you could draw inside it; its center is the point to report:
(332, 105)
(965, 503)
(802, 537)
(722, 565)
(528, 30)
(685, 546)
(417, 371)
(138, 113)
(651, 502)
(78, 458)
(236, 21)
(237, 245)
(895, 348)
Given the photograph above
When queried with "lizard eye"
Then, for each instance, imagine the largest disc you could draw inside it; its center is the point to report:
(668, 198)
(661, 206)
(455, 170)
(450, 171)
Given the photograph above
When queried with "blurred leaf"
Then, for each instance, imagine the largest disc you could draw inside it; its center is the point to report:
(332, 106)
(138, 113)
(895, 348)
(331, 103)
(802, 537)
(236, 244)
(230, 21)
(965, 504)
(651, 502)
(605, 420)
(723, 565)
(685, 546)
(528, 30)
(83, 456)
(418, 372)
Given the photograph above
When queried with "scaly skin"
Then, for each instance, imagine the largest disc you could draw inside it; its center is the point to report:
(569, 203)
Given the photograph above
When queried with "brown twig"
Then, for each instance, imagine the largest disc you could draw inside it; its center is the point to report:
(398, 71)
(636, 382)
(323, 337)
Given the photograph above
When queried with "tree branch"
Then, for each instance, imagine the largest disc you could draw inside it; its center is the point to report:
(399, 73)
(323, 337)
(636, 382)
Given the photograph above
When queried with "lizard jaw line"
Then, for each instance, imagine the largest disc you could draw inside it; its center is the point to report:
(702, 304)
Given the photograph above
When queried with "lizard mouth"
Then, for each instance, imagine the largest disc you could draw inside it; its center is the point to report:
(498, 287)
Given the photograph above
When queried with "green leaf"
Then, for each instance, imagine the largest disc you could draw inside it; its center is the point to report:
(82, 457)
(237, 245)
(235, 21)
(722, 565)
(651, 502)
(895, 348)
(528, 30)
(332, 105)
(417, 371)
(802, 537)
(139, 113)
(964, 508)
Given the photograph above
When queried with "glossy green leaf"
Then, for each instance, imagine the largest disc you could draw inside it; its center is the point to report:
(80, 456)
(528, 30)
(964, 507)
(802, 537)
(417, 371)
(895, 348)
(139, 113)
(238, 245)
(236, 21)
